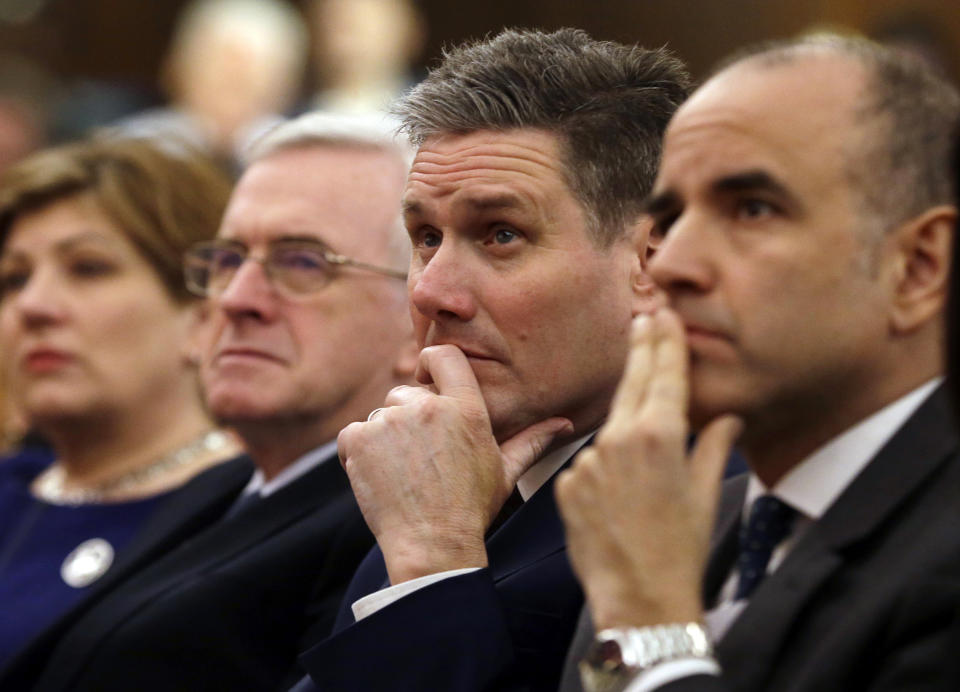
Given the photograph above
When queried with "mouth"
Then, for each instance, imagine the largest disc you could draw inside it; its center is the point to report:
(472, 353)
(703, 339)
(42, 360)
(245, 354)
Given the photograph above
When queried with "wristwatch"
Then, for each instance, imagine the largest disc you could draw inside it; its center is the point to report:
(618, 655)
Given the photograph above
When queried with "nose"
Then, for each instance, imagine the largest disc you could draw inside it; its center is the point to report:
(440, 289)
(684, 259)
(40, 302)
(249, 294)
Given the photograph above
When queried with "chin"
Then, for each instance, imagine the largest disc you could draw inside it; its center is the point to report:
(227, 407)
(46, 403)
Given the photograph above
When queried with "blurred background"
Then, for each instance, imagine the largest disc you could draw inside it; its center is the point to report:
(217, 71)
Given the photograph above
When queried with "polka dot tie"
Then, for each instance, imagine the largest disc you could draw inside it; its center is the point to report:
(769, 523)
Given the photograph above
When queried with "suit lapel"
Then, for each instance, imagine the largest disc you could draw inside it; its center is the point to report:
(218, 544)
(724, 542)
(532, 533)
(906, 462)
(316, 490)
(187, 510)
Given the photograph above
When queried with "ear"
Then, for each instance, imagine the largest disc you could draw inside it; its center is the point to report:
(921, 268)
(648, 297)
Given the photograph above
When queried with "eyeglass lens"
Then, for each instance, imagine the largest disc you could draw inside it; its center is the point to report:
(295, 268)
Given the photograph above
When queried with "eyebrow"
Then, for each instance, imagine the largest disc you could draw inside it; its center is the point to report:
(661, 203)
(748, 181)
(299, 238)
(286, 238)
(756, 180)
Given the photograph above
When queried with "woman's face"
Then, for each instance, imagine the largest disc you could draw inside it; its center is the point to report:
(86, 326)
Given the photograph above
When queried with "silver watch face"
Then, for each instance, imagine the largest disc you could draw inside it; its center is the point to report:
(605, 654)
(603, 669)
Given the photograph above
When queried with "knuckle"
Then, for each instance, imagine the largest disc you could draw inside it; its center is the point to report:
(396, 393)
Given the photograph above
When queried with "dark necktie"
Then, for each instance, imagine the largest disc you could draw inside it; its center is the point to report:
(513, 503)
(769, 523)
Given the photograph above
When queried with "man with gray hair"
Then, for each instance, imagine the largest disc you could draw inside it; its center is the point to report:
(805, 216)
(524, 208)
(308, 330)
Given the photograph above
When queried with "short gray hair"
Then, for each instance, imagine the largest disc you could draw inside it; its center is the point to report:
(607, 103)
(901, 162)
(376, 132)
(369, 131)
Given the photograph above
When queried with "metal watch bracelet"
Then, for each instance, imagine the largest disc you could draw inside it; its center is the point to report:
(618, 655)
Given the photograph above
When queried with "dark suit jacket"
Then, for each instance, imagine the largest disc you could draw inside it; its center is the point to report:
(867, 597)
(229, 608)
(506, 627)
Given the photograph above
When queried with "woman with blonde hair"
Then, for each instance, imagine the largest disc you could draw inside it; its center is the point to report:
(96, 330)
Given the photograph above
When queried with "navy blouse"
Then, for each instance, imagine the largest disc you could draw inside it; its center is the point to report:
(36, 539)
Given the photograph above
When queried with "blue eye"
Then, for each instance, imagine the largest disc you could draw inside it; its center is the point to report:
(504, 235)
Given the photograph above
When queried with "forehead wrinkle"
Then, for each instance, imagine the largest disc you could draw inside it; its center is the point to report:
(477, 161)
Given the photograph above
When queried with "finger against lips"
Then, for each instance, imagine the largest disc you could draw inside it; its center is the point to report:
(633, 386)
(448, 368)
(668, 386)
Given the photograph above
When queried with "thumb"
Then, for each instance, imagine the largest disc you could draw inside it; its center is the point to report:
(523, 449)
(709, 457)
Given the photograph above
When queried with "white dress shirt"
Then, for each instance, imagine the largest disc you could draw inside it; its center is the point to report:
(309, 461)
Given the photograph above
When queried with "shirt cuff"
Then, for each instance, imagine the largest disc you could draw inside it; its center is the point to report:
(371, 603)
(668, 671)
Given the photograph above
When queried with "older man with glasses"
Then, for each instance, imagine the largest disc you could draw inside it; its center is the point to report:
(308, 330)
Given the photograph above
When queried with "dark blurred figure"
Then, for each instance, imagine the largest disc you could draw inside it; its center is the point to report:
(234, 67)
(27, 93)
(364, 51)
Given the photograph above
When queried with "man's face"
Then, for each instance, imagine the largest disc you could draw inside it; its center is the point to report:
(503, 267)
(765, 251)
(322, 356)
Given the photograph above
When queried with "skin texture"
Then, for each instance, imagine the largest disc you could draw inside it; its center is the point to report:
(94, 345)
(797, 313)
(524, 327)
(308, 365)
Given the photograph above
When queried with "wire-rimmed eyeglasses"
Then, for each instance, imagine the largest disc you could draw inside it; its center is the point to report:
(296, 267)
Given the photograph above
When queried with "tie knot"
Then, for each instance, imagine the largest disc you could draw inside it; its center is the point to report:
(769, 523)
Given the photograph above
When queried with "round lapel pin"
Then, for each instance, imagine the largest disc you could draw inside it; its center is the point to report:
(87, 563)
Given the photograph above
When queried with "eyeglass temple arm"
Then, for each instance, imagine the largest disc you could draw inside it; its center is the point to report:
(334, 258)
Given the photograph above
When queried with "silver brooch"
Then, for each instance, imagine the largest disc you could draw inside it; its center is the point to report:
(87, 563)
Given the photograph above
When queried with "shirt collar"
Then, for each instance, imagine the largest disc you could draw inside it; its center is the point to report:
(813, 485)
(538, 474)
(301, 466)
